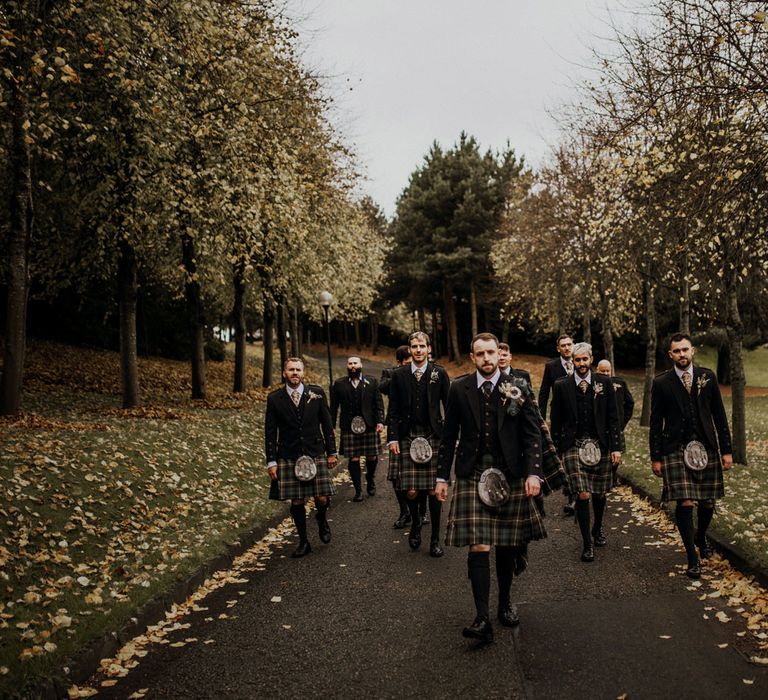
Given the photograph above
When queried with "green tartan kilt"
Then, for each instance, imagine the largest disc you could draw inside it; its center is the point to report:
(393, 470)
(597, 479)
(367, 444)
(681, 483)
(415, 476)
(515, 523)
(289, 487)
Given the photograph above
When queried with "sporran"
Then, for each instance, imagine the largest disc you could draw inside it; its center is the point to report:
(421, 450)
(493, 488)
(305, 468)
(358, 425)
(695, 456)
(589, 453)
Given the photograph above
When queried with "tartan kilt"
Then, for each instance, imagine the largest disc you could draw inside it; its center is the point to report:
(681, 483)
(393, 470)
(552, 467)
(516, 523)
(367, 444)
(597, 479)
(289, 487)
(415, 476)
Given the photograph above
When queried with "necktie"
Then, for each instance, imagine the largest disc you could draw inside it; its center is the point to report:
(417, 373)
(687, 381)
(568, 367)
(296, 397)
(583, 384)
(487, 389)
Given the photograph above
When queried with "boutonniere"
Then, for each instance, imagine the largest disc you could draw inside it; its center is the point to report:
(365, 381)
(598, 388)
(616, 386)
(312, 395)
(702, 381)
(434, 376)
(513, 393)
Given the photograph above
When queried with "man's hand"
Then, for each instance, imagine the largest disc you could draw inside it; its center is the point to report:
(332, 459)
(615, 457)
(379, 427)
(532, 486)
(272, 473)
(394, 448)
(656, 468)
(727, 462)
(441, 491)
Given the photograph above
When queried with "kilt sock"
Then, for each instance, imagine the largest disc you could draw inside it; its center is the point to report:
(322, 509)
(598, 506)
(684, 520)
(435, 509)
(582, 515)
(413, 509)
(370, 469)
(299, 515)
(354, 474)
(402, 501)
(704, 519)
(505, 565)
(479, 570)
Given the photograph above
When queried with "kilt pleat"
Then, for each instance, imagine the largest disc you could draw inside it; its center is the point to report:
(289, 487)
(681, 483)
(516, 523)
(367, 444)
(415, 476)
(597, 479)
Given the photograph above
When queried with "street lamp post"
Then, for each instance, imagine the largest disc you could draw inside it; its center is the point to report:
(326, 299)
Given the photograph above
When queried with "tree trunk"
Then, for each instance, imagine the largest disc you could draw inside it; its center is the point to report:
(295, 333)
(358, 343)
(437, 343)
(282, 343)
(15, 333)
(735, 329)
(605, 306)
(269, 329)
(586, 327)
(473, 306)
(505, 331)
(685, 299)
(450, 319)
(724, 364)
(127, 290)
(345, 336)
(374, 321)
(650, 351)
(238, 317)
(196, 321)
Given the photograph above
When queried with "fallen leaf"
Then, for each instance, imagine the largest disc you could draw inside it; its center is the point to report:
(277, 598)
(762, 660)
(664, 636)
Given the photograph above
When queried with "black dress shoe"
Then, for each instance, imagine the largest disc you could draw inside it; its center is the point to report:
(403, 521)
(693, 571)
(414, 539)
(435, 550)
(705, 548)
(325, 530)
(371, 488)
(358, 496)
(599, 538)
(588, 553)
(509, 617)
(302, 550)
(480, 629)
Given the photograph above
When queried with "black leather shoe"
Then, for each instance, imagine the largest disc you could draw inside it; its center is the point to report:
(599, 538)
(705, 548)
(371, 488)
(414, 539)
(588, 553)
(403, 521)
(358, 496)
(435, 550)
(480, 629)
(569, 508)
(509, 617)
(302, 550)
(325, 531)
(694, 571)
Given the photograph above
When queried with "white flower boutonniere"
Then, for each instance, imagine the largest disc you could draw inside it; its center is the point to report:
(434, 376)
(312, 395)
(702, 381)
(513, 392)
(616, 386)
(598, 388)
(365, 381)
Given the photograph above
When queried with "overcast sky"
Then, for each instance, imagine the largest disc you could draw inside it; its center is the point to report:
(423, 70)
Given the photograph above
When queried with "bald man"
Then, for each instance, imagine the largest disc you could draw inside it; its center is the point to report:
(625, 404)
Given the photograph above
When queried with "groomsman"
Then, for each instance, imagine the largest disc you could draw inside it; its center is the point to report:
(585, 429)
(417, 397)
(361, 423)
(690, 445)
(625, 404)
(492, 428)
(505, 365)
(402, 357)
(300, 447)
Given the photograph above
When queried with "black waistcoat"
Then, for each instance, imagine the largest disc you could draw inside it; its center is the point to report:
(357, 398)
(419, 406)
(489, 435)
(585, 414)
(691, 420)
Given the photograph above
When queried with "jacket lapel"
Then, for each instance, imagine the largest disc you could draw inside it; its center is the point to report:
(571, 393)
(473, 397)
(678, 390)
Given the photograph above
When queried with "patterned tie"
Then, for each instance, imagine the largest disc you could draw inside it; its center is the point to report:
(417, 373)
(687, 381)
(583, 384)
(487, 389)
(296, 397)
(568, 367)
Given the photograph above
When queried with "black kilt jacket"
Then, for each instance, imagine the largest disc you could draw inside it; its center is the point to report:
(398, 413)
(519, 435)
(668, 407)
(291, 432)
(386, 378)
(625, 403)
(371, 403)
(564, 419)
(553, 370)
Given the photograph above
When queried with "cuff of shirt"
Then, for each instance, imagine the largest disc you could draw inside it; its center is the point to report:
(271, 464)
(441, 481)
(391, 442)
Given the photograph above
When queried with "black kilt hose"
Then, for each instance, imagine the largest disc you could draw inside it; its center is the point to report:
(289, 487)
(597, 479)
(415, 476)
(367, 444)
(681, 483)
(515, 523)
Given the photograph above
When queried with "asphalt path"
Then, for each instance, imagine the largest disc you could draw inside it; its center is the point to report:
(365, 616)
